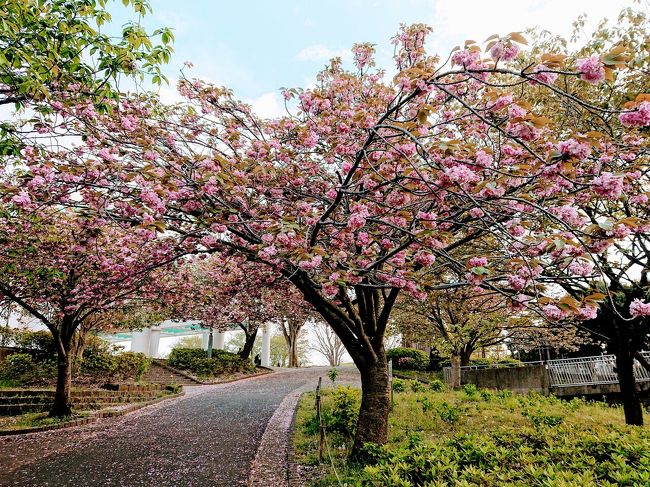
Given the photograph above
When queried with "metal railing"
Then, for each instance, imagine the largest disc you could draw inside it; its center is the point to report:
(583, 371)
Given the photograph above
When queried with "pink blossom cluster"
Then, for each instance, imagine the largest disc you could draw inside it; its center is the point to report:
(544, 75)
(591, 69)
(465, 58)
(608, 185)
(568, 214)
(311, 264)
(639, 308)
(462, 174)
(554, 313)
(639, 117)
(573, 148)
(505, 51)
(477, 262)
(363, 54)
(580, 267)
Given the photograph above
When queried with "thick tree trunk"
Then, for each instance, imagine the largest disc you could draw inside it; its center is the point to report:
(465, 357)
(375, 402)
(627, 383)
(248, 345)
(455, 372)
(62, 405)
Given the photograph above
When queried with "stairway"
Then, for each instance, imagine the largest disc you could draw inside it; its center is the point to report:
(158, 374)
(21, 401)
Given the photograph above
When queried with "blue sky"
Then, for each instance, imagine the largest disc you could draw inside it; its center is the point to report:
(256, 47)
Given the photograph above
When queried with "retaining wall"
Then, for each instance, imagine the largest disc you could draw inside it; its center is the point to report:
(517, 379)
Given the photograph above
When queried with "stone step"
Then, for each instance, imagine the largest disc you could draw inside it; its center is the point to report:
(92, 395)
(162, 375)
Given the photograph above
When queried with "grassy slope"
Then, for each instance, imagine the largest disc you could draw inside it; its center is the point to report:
(489, 439)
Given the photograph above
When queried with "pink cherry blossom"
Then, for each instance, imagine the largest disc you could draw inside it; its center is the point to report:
(591, 69)
(639, 308)
(639, 117)
(608, 185)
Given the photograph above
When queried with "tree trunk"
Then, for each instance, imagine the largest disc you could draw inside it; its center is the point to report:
(293, 347)
(62, 405)
(77, 350)
(248, 344)
(375, 402)
(455, 372)
(627, 383)
(465, 357)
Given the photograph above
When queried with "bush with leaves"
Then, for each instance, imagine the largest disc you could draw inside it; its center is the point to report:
(22, 368)
(196, 361)
(399, 385)
(620, 456)
(345, 411)
(408, 358)
(436, 385)
(131, 364)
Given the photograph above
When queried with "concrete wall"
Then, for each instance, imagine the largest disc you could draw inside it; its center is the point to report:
(517, 379)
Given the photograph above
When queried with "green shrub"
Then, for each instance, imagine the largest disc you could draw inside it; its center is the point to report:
(18, 365)
(174, 388)
(399, 385)
(41, 340)
(510, 362)
(131, 364)
(560, 457)
(540, 419)
(98, 361)
(408, 358)
(426, 403)
(345, 410)
(486, 394)
(182, 358)
(470, 389)
(436, 385)
(417, 386)
(332, 374)
(448, 412)
(196, 361)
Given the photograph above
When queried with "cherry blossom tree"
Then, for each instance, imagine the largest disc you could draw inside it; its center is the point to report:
(68, 270)
(371, 187)
(223, 291)
(292, 314)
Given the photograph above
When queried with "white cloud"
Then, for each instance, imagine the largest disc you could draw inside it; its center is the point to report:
(178, 22)
(454, 22)
(268, 105)
(319, 52)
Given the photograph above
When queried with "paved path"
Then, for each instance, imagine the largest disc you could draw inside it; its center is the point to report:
(209, 437)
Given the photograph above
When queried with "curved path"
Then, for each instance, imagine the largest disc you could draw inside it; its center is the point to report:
(209, 437)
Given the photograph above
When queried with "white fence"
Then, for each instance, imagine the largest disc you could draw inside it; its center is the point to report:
(583, 371)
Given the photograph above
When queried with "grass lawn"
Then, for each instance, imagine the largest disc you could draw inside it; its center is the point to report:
(34, 420)
(472, 438)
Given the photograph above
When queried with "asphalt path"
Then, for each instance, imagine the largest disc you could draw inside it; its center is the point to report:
(209, 437)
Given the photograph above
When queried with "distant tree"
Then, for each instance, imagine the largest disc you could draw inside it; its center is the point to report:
(192, 341)
(328, 344)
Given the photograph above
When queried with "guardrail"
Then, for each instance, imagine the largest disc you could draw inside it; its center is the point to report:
(600, 369)
(568, 372)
